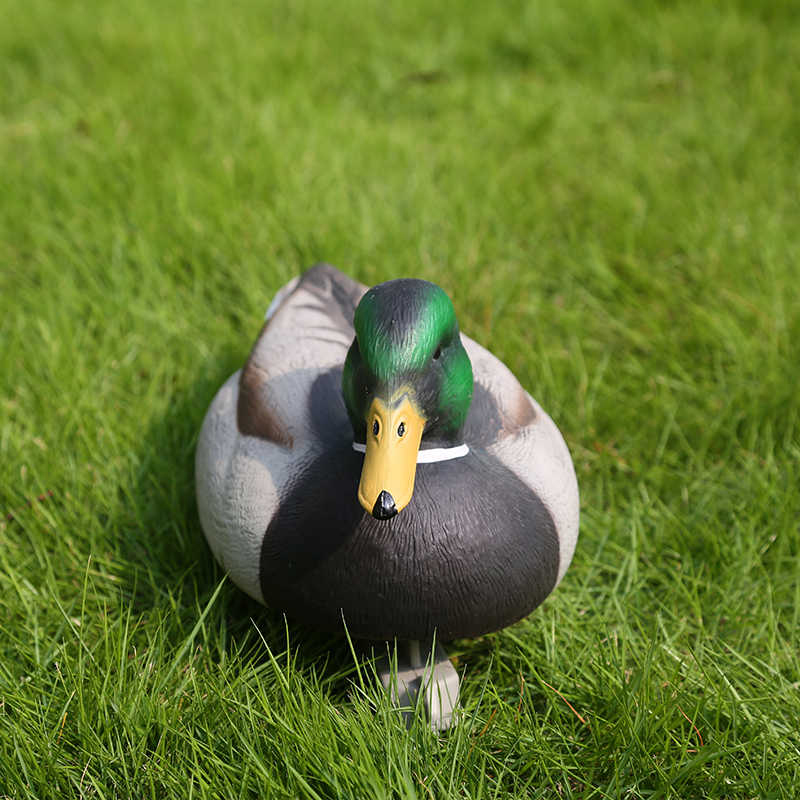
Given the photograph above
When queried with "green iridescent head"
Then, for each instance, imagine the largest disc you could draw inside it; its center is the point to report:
(407, 344)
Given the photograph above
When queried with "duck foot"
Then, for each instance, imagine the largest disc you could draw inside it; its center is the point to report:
(413, 672)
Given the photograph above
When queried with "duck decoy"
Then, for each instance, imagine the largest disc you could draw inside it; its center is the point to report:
(371, 466)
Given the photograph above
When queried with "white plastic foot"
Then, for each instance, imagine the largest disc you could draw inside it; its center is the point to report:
(422, 674)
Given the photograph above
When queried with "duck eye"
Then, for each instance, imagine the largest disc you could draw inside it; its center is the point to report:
(401, 429)
(375, 428)
(437, 353)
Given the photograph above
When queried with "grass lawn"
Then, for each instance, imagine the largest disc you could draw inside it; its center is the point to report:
(612, 199)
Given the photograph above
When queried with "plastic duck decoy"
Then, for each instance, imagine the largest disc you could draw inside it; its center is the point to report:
(372, 465)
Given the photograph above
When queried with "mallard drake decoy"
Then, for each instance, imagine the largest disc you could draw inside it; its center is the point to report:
(372, 464)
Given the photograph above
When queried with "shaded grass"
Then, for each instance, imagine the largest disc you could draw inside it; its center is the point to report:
(612, 201)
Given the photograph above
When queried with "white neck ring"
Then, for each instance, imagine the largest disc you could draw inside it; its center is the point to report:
(430, 456)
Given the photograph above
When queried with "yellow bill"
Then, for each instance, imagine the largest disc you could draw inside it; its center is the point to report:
(394, 432)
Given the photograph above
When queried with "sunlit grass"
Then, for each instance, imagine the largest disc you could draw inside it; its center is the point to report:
(611, 199)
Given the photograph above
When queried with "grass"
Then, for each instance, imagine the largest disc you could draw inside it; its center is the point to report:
(612, 198)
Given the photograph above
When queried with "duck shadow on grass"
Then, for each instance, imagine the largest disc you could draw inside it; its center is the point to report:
(167, 565)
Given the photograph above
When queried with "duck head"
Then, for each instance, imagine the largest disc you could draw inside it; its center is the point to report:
(407, 383)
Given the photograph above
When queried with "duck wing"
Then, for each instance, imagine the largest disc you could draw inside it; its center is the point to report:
(308, 331)
(510, 425)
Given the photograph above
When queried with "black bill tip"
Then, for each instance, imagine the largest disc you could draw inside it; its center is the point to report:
(384, 507)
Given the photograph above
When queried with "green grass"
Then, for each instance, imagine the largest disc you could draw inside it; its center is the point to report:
(612, 199)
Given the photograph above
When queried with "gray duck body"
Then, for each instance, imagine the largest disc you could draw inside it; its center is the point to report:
(485, 538)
